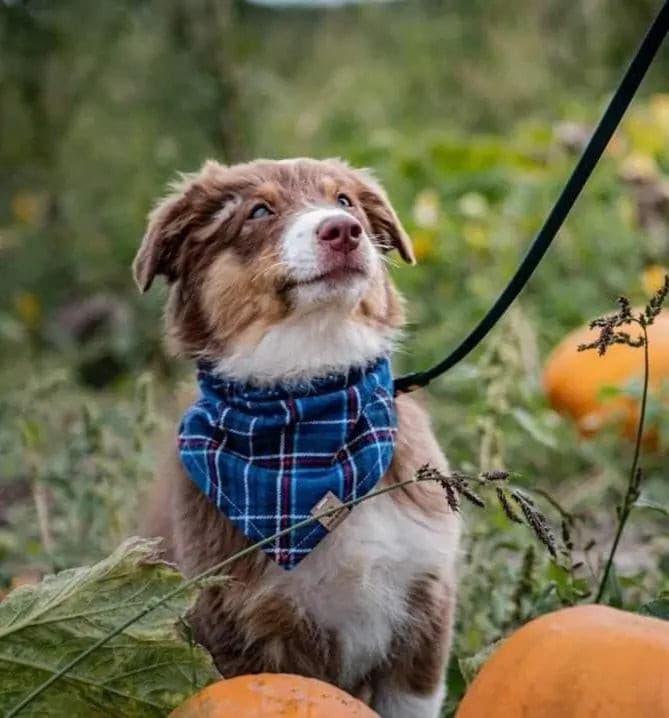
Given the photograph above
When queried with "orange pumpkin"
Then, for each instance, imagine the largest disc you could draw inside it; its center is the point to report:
(580, 662)
(272, 695)
(573, 380)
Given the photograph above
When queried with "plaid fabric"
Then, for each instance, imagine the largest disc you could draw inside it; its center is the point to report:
(265, 457)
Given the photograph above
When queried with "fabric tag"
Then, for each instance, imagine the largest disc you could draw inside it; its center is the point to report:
(328, 503)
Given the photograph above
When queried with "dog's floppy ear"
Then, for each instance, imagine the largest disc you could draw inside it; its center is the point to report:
(170, 222)
(160, 244)
(386, 226)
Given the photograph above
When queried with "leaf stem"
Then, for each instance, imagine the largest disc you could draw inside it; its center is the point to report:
(632, 485)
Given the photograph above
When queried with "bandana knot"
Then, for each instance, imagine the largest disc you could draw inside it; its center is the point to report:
(267, 457)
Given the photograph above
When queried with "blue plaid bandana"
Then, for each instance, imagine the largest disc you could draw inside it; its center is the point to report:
(268, 458)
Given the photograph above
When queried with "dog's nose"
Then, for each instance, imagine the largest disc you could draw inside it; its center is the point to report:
(340, 233)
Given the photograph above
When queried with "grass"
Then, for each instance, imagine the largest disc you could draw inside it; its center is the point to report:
(91, 452)
(472, 171)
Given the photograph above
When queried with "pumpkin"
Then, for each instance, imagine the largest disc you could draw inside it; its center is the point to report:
(573, 380)
(272, 695)
(580, 662)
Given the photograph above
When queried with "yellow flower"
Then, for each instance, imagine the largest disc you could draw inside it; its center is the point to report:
(28, 207)
(646, 136)
(423, 244)
(659, 110)
(652, 278)
(475, 235)
(28, 308)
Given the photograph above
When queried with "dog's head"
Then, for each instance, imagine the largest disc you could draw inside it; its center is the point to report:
(276, 268)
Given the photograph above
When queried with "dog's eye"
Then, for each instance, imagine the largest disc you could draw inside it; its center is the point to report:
(344, 200)
(259, 211)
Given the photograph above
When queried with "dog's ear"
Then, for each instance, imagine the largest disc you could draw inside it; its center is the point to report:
(164, 234)
(171, 221)
(386, 226)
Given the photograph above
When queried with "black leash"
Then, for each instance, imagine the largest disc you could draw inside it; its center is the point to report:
(591, 155)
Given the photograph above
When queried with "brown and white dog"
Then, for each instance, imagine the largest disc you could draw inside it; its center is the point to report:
(276, 273)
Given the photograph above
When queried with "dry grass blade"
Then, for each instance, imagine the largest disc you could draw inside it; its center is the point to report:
(536, 521)
(457, 486)
(609, 335)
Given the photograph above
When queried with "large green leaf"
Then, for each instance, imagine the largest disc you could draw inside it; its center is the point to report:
(144, 671)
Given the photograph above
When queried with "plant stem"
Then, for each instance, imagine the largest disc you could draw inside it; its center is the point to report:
(41, 499)
(190, 582)
(632, 487)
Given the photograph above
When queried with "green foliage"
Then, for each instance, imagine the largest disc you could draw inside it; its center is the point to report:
(90, 455)
(470, 114)
(659, 608)
(145, 671)
(472, 665)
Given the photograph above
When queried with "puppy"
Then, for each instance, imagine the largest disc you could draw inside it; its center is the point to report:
(278, 288)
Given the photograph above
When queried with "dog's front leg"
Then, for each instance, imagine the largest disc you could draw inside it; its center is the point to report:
(413, 684)
(394, 701)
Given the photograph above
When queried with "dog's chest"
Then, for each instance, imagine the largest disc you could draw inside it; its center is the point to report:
(357, 582)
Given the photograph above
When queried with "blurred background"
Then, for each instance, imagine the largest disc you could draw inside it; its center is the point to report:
(471, 112)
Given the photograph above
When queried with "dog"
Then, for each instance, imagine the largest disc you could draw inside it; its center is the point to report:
(277, 276)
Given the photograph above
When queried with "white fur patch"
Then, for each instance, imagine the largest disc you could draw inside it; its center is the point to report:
(304, 347)
(320, 336)
(299, 249)
(303, 257)
(394, 703)
(357, 582)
